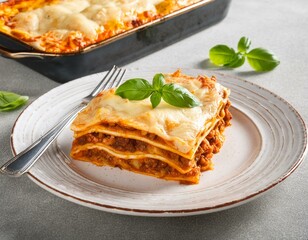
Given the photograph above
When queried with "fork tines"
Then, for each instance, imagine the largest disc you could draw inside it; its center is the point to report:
(112, 79)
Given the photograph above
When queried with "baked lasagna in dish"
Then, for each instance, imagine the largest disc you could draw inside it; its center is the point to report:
(65, 26)
(166, 142)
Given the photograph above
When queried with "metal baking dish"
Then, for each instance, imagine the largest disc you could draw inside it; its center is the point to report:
(120, 49)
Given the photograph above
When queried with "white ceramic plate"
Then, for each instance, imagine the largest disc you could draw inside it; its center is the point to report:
(266, 143)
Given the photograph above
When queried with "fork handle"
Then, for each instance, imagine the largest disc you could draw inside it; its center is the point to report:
(23, 161)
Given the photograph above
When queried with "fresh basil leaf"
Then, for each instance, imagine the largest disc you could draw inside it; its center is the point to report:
(239, 60)
(139, 89)
(135, 89)
(10, 101)
(243, 44)
(155, 99)
(158, 81)
(261, 59)
(179, 96)
(221, 54)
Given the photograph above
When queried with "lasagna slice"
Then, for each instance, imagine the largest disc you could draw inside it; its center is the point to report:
(165, 142)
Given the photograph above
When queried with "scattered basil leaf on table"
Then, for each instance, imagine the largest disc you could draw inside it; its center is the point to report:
(262, 60)
(222, 54)
(173, 94)
(10, 101)
(243, 44)
(259, 59)
(237, 61)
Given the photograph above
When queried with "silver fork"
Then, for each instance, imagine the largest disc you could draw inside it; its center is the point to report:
(22, 162)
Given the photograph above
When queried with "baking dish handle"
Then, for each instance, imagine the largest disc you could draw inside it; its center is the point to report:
(15, 55)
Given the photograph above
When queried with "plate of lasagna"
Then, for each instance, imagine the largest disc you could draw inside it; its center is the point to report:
(127, 157)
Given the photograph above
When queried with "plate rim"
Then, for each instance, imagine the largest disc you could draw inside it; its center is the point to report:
(182, 212)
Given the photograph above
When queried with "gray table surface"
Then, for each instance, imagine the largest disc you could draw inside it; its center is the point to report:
(29, 212)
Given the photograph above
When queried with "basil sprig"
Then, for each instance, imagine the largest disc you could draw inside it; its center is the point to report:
(259, 59)
(10, 101)
(173, 94)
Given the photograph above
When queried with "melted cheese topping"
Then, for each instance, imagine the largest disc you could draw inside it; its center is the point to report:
(70, 25)
(182, 128)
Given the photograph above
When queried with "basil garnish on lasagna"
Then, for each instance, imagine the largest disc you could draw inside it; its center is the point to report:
(166, 142)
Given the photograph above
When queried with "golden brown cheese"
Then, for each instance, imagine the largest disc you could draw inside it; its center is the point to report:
(70, 25)
(167, 142)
